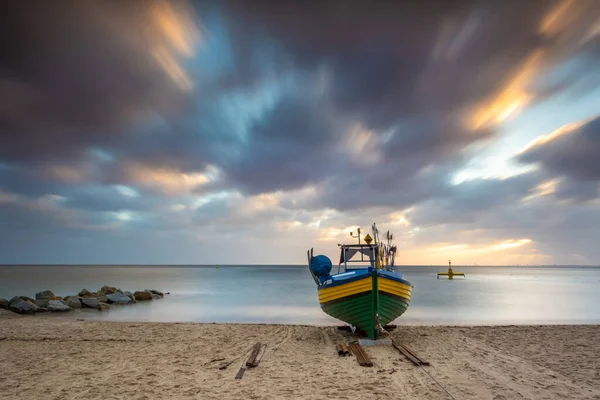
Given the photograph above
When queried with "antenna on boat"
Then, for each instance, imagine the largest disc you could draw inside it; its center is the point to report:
(352, 234)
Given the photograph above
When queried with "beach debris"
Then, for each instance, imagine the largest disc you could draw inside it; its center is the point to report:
(57, 305)
(408, 353)
(240, 373)
(343, 349)
(227, 364)
(251, 361)
(4, 304)
(20, 306)
(404, 349)
(361, 355)
(142, 295)
(213, 360)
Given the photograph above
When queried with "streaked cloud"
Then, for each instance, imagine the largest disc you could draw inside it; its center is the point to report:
(468, 130)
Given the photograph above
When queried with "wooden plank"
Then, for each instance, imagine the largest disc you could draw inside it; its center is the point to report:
(361, 356)
(346, 349)
(251, 361)
(406, 354)
(414, 354)
(240, 373)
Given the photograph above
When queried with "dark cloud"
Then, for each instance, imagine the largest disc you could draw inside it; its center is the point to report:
(467, 202)
(400, 59)
(75, 72)
(291, 147)
(573, 154)
(370, 105)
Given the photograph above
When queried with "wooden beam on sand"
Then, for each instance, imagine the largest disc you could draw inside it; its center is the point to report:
(240, 373)
(342, 349)
(408, 353)
(361, 355)
(251, 362)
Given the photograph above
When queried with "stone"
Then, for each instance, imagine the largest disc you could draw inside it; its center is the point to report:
(103, 307)
(57, 305)
(20, 306)
(41, 302)
(156, 292)
(84, 293)
(129, 294)
(4, 304)
(156, 297)
(72, 301)
(118, 298)
(25, 298)
(90, 302)
(101, 298)
(45, 295)
(108, 289)
(142, 296)
(42, 309)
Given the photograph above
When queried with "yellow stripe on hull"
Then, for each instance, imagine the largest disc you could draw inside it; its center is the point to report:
(340, 291)
(394, 287)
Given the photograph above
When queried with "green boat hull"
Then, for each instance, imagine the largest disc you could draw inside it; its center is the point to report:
(367, 310)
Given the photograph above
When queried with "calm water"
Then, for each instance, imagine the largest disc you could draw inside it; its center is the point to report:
(268, 294)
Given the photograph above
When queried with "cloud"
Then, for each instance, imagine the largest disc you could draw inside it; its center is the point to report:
(570, 151)
(119, 63)
(255, 119)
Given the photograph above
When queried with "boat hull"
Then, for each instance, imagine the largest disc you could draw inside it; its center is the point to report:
(368, 301)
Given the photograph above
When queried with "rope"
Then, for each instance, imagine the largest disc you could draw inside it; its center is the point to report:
(439, 384)
(424, 370)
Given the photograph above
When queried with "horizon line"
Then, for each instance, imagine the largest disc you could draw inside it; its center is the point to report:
(274, 265)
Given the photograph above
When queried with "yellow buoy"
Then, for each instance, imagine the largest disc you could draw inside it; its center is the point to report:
(450, 274)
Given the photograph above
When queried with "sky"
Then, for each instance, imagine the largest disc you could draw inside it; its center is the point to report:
(238, 132)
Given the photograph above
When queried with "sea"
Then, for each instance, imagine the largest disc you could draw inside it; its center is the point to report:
(288, 294)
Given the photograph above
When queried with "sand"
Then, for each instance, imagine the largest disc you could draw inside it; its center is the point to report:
(51, 358)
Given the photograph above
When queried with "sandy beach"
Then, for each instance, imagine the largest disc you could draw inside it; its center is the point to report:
(56, 358)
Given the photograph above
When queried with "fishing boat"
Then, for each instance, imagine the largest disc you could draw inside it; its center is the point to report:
(366, 291)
